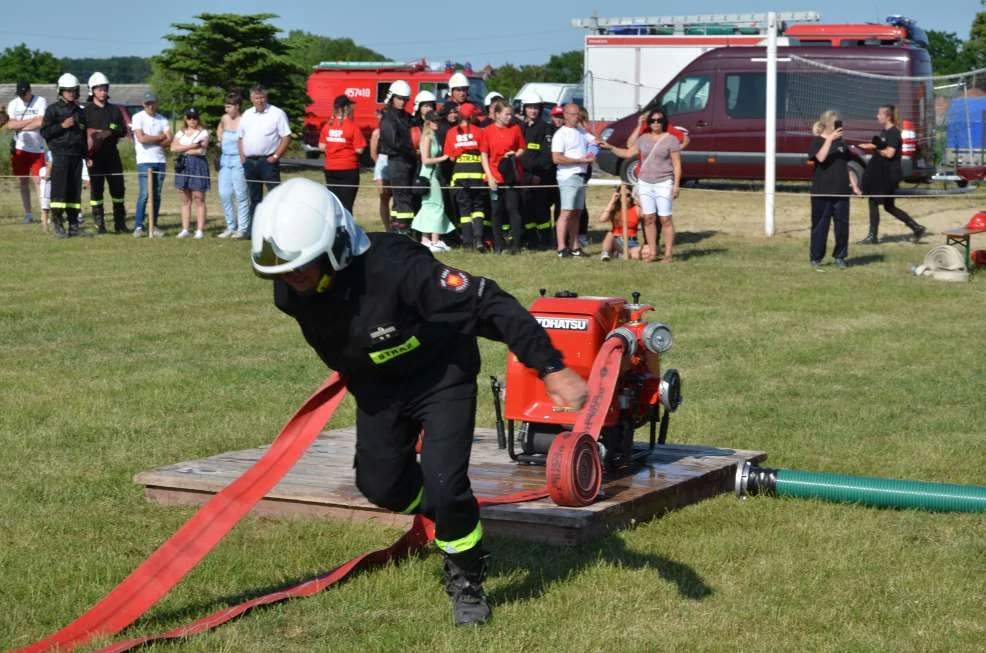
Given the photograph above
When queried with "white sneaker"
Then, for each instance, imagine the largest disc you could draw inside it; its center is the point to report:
(138, 232)
(440, 244)
(184, 234)
(239, 235)
(426, 242)
(433, 247)
(225, 234)
(604, 256)
(157, 233)
(199, 235)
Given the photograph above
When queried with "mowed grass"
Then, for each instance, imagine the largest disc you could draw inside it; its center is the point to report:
(123, 355)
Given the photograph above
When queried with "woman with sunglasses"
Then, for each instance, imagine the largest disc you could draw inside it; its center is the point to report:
(431, 220)
(659, 180)
(192, 172)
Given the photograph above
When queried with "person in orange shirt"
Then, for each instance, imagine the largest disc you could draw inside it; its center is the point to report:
(343, 142)
(613, 241)
(501, 163)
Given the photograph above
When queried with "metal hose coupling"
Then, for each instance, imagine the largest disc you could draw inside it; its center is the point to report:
(629, 340)
(754, 480)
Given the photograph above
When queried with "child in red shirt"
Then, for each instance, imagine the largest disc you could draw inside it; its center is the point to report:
(501, 162)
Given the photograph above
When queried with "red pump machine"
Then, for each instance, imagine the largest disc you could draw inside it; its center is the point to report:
(538, 433)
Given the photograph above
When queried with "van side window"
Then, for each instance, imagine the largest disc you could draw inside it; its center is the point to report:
(688, 94)
(746, 95)
(382, 88)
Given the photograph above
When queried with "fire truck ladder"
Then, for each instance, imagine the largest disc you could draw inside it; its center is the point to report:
(693, 25)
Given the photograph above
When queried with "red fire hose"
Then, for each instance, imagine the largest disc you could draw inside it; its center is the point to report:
(155, 577)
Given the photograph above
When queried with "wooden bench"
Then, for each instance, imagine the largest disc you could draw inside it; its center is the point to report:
(961, 236)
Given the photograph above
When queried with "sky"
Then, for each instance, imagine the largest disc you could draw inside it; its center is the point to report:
(404, 31)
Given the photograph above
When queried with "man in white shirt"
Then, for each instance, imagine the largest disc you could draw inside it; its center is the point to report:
(264, 137)
(26, 111)
(152, 134)
(569, 151)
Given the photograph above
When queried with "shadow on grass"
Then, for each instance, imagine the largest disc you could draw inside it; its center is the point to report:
(866, 259)
(684, 255)
(543, 565)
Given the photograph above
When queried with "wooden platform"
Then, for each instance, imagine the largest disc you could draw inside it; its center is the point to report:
(322, 484)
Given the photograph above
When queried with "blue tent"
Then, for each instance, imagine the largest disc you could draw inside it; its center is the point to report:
(961, 123)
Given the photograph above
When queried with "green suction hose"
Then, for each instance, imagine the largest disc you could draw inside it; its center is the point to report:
(881, 492)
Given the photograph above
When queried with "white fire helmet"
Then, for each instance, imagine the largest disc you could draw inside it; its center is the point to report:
(97, 79)
(68, 81)
(423, 96)
(298, 222)
(529, 96)
(490, 97)
(399, 87)
(458, 80)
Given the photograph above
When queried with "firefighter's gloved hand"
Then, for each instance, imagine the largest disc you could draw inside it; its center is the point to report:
(566, 388)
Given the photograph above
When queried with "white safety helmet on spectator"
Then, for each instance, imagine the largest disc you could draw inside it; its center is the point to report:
(68, 81)
(529, 96)
(97, 79)
(399, 87)
(298, 222)
(490, 97)
(458, 80)
(424, 96)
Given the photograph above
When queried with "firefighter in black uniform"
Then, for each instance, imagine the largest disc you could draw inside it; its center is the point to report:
(539, 170)
(106, 126)
(64, 130)
(402, 158)
(401, 328)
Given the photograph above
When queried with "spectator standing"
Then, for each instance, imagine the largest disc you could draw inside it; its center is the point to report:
(380, 174)
(343, 142)
(830, 187)
(569, 151)
(678, 132)
(449, 115)
(458, 88)
(659, 181)
(488, 118)
(503, 145)
(64, 129)
(431, 219)
(264, 137)
(464, 144)
(152, 134)
(192, 172)
(883, 175)
(25, 114)
(107, 125)
(402, 158)
(232, 181)
(538, 172)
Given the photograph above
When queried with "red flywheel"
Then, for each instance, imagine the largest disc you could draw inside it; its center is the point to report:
(574, 471)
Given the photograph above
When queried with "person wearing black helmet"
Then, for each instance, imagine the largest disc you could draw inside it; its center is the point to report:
(401, 328)
(64, 129)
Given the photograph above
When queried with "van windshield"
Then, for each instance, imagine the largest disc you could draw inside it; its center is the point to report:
(688, 94)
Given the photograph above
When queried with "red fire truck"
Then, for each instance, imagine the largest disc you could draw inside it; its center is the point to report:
(366, 84)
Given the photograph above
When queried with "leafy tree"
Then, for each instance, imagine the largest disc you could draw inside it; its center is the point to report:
(222, 52)
(307, 50)
(565, 68)
(119, 70)
(20, 62)
(508, 78)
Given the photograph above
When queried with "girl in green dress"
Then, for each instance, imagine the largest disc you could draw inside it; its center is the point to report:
(431, 220)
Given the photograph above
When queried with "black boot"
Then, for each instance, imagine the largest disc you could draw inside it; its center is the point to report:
(871, 239)
(58, 223)
(464, 575)
(99, 219)
(919, 231)
(75, 229)
(119, 219)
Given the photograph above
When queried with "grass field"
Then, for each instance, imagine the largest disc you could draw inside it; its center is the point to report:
(122, 355)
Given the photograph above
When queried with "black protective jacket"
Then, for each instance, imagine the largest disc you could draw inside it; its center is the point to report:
(397, 322)
(536, 159)
(106, 118)
(395, 135)
(61, 141)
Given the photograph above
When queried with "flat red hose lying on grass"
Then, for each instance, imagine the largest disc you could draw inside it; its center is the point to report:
(155, 577)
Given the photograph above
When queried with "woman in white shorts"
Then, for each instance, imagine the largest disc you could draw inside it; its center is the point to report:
(380, 177)
(659, 178)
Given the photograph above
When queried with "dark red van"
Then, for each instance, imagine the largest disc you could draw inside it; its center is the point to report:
(720, 99)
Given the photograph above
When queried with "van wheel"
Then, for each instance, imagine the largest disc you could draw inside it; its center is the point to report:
(630, 170)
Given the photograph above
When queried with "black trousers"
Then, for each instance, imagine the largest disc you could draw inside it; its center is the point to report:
(471, 201)
(66, 185)
(258, 173)
(825, 210)
(891, 207)
(107, 170)
(343, 184)
(401, 174)
(506, 212)
(387, 472)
